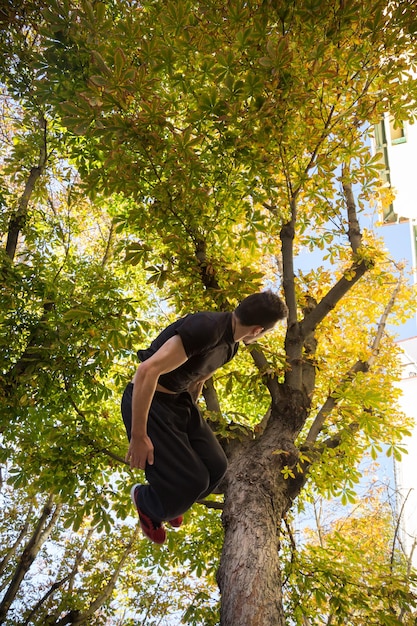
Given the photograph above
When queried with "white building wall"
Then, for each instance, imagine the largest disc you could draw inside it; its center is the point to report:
(400, 156)
(406, 469)
(402, 161)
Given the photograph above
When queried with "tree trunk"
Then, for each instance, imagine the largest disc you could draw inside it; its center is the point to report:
(249, 577)
(256, 498)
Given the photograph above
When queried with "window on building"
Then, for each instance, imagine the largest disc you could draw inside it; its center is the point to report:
(397, 131)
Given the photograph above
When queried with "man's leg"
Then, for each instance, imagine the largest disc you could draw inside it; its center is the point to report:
(208, 449)
(178, 476)
(150, 524)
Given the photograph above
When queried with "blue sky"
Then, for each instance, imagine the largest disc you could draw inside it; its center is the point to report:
(398, 241)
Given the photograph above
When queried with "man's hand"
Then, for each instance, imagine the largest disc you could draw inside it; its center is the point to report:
(140, 452)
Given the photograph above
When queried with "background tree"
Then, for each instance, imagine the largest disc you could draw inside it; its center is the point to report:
(226, 139)
(91, 577)
(339, 571)
(69, 321)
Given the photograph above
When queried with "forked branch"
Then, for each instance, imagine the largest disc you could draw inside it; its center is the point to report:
(333, 297)
(357, 269)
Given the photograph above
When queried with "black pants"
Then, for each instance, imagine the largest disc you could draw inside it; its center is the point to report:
(188, 460)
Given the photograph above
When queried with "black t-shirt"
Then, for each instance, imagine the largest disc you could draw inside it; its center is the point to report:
(208, 342)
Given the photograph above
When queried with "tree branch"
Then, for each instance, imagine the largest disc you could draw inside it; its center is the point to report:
(59, 583)
(354, 232)
(77, 617)
(29, 355)
(293, 338)
(210, 397)
(336, 293)
(110, 237)
(18, 221)
(206, 269)
(352, 275)
(268, 375)
(12, 551)
(89, 440)
(296, 484)
(39, 536)
(211, 504)
(287, 240)
(313, 453)
(397, 530)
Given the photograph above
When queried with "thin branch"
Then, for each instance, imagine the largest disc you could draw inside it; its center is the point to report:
(333, 297)
(90, 441)
(12, 551)
(264, 368)
(211, 504)
(288, 183)
(294, 193)
(261, 426)
(210, 397)
(59, 583)
(331, 402)
(312, 161)
(106, 255)
(292, 544)
(188, 230)
(153, 600)
(76, 617)
(353, 274)
(312, 455)
(54, 587)
(397, 530)
(287, 241)
(29, 355)
(354, 232)
(107, 452)
(78, 558)
(206, 269)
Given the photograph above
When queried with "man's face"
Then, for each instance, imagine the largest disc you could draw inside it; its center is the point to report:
(257, 333)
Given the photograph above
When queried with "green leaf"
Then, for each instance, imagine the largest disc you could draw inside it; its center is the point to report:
(77, 314)
(119, 62)
(99, 81)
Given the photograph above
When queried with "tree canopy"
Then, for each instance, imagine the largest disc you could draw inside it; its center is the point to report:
(166, 157)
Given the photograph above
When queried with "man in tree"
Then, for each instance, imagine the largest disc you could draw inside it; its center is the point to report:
(168, 437)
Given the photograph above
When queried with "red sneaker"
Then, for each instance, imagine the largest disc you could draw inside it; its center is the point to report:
(153, 530)
(176, 522)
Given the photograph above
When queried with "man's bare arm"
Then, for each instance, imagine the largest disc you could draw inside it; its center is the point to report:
(169, 356)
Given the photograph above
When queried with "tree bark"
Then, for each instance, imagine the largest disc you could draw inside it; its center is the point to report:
(256, 498)
(249, 577)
